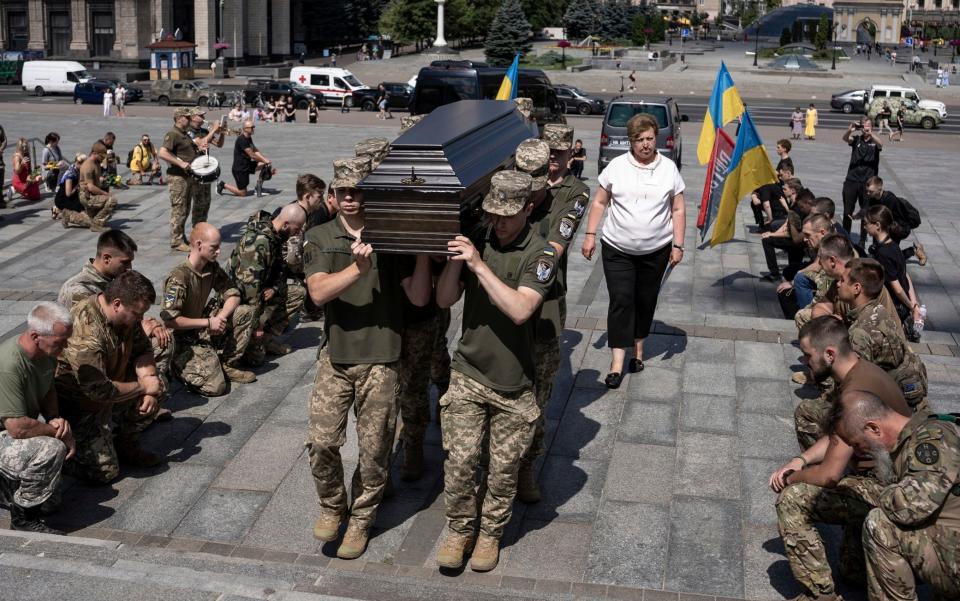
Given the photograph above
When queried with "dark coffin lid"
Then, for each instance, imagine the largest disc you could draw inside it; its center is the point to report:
(453, 148)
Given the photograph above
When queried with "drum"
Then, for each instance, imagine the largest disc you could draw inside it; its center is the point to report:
(205, 169)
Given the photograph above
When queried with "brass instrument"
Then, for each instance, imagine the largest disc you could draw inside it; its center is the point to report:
(228, 131)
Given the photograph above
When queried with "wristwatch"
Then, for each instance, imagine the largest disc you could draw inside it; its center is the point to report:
(678, 246)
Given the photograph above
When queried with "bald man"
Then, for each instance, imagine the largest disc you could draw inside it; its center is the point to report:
(256, 267)
(206, 333)
(247, 160)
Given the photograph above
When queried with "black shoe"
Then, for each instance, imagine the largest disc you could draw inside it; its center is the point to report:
(613, 379)
(28, 520)
(771, 277)
(636, 365)
(220, 185)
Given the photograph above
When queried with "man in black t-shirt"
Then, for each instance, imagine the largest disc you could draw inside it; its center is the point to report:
(247, 160)
(864, 164)
(904, 214)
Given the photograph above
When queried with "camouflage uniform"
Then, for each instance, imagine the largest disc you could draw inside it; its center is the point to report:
(915, 528)
(182, 186)
(32, 464)
(99, 207)
(201, 191)
(255, 265)
(358, 366)
(824, 283)
(877, 337)
(491, 390)
(90, 282)
(374, 149)
(196, 360)
(525, 106)
(556, 219)
(96, 356)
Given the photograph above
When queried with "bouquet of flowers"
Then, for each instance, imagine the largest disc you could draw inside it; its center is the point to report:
(51, 165)
(36, 175)
(113, 180)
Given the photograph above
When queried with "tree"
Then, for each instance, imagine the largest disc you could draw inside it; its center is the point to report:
(785, 37)
(647, 27)
(509, 33)
(822, 37)
(544, 13)
(613, 20)
(409, 21)
(581, 19)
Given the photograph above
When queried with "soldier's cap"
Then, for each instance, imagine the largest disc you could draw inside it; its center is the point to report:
(533, 158)
(184, 111)
(525, 106)
(198, 111)
(409, 121)
(373, 148)
(558, 136)
(347, 173)
(509, 193)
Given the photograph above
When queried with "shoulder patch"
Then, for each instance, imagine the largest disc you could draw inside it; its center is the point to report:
(566, 228)
(550, 251)
(544, 270)
(580, 207)
(927, 453)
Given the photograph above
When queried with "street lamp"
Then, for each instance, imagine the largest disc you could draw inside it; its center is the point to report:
(756, 40)
(833, 50)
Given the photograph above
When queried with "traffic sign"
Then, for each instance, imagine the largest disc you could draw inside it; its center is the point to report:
(908, 41)
(684, 33)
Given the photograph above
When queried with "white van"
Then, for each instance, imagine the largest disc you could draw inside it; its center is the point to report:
(908, 93)
(329, 83)
(53, 77)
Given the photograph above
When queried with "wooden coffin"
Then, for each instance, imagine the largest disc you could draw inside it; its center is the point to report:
(430, 186)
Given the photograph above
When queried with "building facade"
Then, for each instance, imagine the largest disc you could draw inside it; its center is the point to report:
(858, 21)
(121, 29)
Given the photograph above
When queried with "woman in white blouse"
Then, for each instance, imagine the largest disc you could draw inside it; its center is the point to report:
(643, 232)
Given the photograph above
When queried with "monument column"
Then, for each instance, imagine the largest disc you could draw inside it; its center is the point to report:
(38, 30)
(440, 42)
(80, 30)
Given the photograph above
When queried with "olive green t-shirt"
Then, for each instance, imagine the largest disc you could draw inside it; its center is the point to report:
(181, 146)
(493, 350)
(364, 323)
(24, 382)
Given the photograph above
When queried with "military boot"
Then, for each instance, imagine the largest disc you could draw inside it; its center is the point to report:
(28, 519)
(327, 526)
(486, 555)
(528, 490)
(412, 468)
(275, 347)
(354, 541)
(129, 452)
(239, 376)
(452, 550)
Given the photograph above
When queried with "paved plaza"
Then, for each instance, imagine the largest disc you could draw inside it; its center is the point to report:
(653, 491)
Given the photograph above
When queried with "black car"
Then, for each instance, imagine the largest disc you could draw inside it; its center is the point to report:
(271, 90)
(576, 101)
(851, 101)
(92, 91)
(398, 96)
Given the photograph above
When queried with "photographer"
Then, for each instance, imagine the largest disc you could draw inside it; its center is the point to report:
(864, 163)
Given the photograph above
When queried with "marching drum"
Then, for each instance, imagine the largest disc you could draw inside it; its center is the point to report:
(205, 169)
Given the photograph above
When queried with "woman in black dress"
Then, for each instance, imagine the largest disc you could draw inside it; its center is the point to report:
(880, 225)
(291, 111)
(312, 112)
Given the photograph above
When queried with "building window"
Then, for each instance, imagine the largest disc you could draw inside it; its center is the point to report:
(103, 33)
(59, 34)
(18, 29)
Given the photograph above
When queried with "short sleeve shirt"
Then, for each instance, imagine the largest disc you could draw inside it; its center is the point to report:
(492, 349)
(864, 160)
(363, 324)
(97, 355)
(186, 291)
(894, 265)
(89, 282)
(242, 162)
(24, 382)
(640, 216)
(179, 144)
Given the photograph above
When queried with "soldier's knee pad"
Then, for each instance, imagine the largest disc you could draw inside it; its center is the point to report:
(793, 498)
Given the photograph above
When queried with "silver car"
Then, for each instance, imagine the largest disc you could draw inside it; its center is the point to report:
(613, 135)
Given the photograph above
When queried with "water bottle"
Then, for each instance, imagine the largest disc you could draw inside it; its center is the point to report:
(918, 323)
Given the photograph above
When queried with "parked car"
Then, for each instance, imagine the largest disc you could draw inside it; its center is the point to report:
(92, 91)
(914, 114)
(574, 100)
(891, 92)
(46, 77)
(613, 134)
(271, 89)
(448, 81)
(329, 84)
(851, 101)
(166, 91)
(398, 96)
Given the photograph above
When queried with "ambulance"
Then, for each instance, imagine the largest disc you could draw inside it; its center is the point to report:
(328, 83)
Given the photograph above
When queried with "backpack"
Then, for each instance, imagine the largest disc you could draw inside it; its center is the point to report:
(909, 213)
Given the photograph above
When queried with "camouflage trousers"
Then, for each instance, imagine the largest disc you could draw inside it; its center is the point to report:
(547, 354)
(800, 506)
(372, 390)
(425, 359)
(894, 554)
(94, 431)
(471, 411)
(161, 357)
(33, 462)
(196, 358)
(98, 207)
(274, 320)
(183, 194)
(201, 203)
(809, 419)
(80, 218)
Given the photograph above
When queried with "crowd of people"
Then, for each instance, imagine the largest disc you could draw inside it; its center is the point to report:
(97, 369)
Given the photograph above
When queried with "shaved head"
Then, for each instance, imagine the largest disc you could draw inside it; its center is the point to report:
(248, 123)
(293, 214)
(205, 232)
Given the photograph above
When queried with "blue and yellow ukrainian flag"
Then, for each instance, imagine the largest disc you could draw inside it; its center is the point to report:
(725, 105)
(508, 89)
(750, 168)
